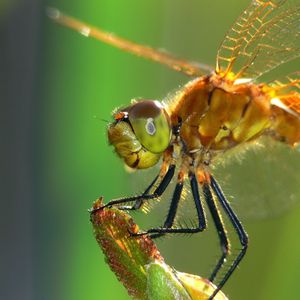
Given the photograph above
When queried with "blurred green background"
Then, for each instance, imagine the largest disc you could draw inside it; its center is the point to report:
(56, 160)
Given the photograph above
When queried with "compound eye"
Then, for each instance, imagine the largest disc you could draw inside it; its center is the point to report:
(151, 125)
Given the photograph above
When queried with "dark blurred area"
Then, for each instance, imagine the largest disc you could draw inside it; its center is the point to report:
(19, 34)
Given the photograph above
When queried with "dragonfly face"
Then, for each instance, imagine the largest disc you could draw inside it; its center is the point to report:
(140, 133)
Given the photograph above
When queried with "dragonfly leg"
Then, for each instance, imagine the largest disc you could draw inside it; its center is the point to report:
(219, 224)
(139, 199)
(243, 237)
(139, 202)
(167, 227)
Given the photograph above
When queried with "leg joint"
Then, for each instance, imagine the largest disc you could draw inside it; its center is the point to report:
(245, 241)
(225, 249)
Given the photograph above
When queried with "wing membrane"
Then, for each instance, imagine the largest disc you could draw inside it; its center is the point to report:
(287, 90)
(265, 36)
(292, 101)
(289, 83)
(162, 57)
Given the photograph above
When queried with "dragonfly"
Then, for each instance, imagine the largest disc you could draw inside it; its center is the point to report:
(220, 110)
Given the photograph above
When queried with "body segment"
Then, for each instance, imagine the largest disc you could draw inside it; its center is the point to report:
(218, 115)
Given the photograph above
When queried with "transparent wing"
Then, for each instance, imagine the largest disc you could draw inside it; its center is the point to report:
(287, 84)
(288, 90)
(263, 182)
(266, 35)
(180, 65)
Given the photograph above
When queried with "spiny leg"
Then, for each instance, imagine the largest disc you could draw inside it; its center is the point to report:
(167, 227)
(243, 237)
(157, 193)
(199, 208)
(139, 202)
(215, 213)
(157, 232)
(144, 196)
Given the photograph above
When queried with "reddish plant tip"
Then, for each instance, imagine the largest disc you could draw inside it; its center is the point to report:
(98, 204)
(126, 255)
(137, 262)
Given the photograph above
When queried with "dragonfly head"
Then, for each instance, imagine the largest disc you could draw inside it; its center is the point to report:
(140, 133)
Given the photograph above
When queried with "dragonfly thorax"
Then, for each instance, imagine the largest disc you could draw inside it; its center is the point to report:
(216, 115)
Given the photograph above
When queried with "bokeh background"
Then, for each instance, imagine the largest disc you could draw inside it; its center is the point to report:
(56, 87)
